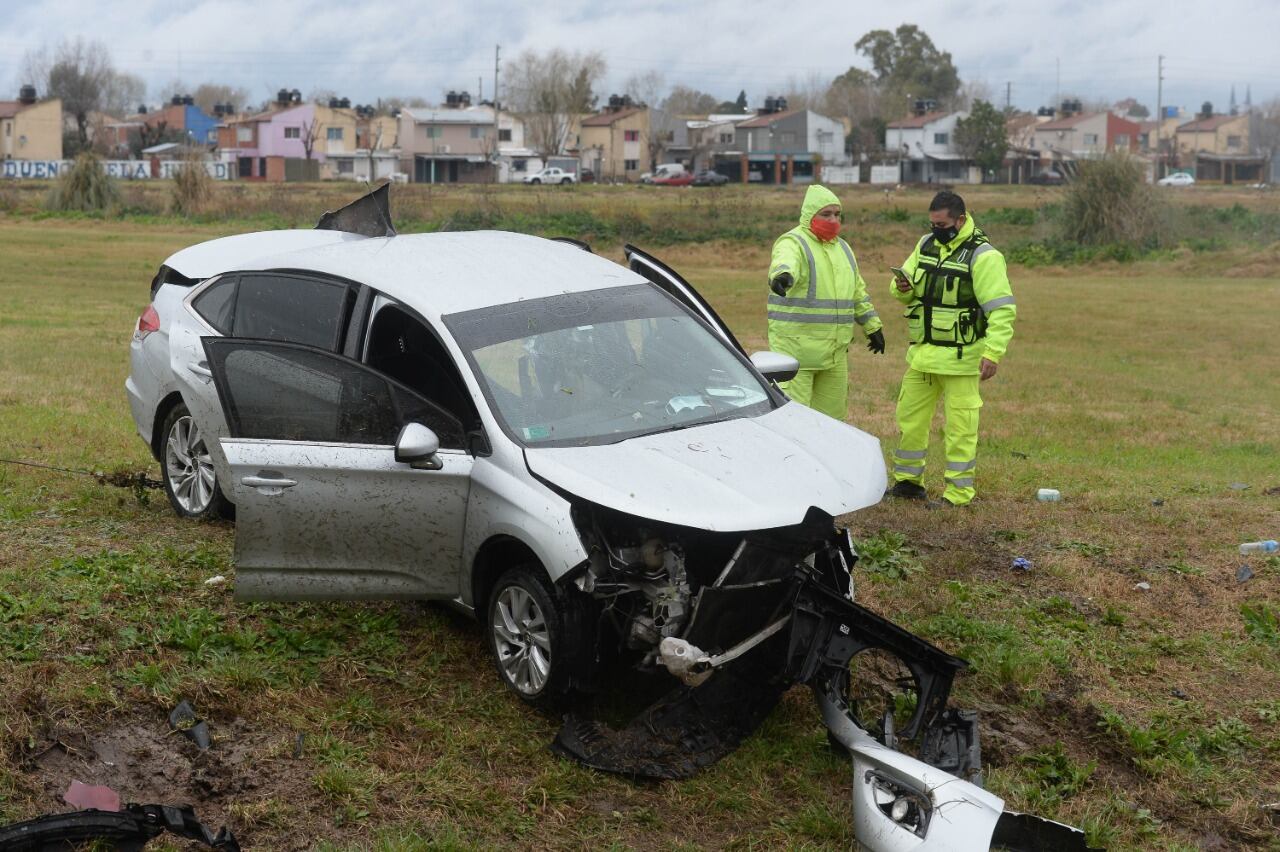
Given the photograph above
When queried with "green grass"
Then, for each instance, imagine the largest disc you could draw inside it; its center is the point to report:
(1125, 384)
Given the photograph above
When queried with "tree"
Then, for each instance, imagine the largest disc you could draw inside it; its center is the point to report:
(906, 62)
(741, 102)
(854, 96)
(1264, 132)
(810, 93)
(547, 90)
(77, 72)
(122, 93)
(686, 101)
(982, 136)
(208, 95)
(310, 132)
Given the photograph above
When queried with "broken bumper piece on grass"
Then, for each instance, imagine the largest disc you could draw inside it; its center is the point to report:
(124, 831)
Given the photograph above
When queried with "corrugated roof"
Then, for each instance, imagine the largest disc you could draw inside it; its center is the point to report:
(604, 119)
(769, 117)
(917, 121)
(1204, 125)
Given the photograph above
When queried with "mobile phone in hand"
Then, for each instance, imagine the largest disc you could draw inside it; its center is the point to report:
(899, 274)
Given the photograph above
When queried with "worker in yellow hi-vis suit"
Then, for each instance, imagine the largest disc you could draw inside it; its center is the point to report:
(817, 297)
(960, 313)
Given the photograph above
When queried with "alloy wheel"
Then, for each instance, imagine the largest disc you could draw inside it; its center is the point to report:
(188, 466)
(522, 640)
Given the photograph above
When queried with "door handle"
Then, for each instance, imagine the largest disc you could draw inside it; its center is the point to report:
(201, 369)
(267, 482)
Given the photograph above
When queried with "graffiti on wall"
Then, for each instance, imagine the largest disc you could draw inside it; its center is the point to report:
(121, 169)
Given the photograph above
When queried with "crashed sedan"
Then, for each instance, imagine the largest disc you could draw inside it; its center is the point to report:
(583, 456)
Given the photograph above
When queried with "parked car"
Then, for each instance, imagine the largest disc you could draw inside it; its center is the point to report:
(1047, 178)
(681, 179)
(1177, 179)
(551, 174)
(587, 176)
(664, 170)
(708, 177)
(579, 454)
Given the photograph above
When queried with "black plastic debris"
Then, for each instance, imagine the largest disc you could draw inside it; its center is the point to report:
(184, 720)
(1020, 832)
(1244, 574)
(128, 830)
(369, 215)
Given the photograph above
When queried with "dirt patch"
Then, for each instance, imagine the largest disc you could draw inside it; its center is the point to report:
(138, 756)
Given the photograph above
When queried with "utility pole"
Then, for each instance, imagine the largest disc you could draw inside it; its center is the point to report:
(1159, 109)
(496, 133)
(1008, 96)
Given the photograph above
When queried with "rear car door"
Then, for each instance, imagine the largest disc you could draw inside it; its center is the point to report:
(324, 510)
(668, 279)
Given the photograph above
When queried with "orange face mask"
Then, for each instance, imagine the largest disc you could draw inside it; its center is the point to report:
(824, 229)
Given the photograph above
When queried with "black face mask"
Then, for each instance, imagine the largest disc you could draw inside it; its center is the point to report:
(945, 234)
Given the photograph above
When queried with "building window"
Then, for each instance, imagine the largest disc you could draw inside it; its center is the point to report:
(941, 138)
(435, 132)
(478, 132)
(1090, 139)
(630, 165)
(346, 167)
(244, 134)
(333, 134)
(1122, 140)
(519, 165)
(726, 138)
(8, 128)
(631, 135)
(293, 133)
(1234, 142)
(504, 134)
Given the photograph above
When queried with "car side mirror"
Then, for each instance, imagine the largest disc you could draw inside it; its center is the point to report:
(418, 447)
(775, 366)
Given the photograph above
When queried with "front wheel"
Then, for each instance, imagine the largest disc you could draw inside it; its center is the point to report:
(535, 181)
(189, 479)
(537, 638)
(566, 180)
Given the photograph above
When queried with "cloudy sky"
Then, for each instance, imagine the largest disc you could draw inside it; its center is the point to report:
(375, 48)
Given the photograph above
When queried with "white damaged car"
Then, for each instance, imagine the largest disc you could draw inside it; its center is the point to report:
(577, 452)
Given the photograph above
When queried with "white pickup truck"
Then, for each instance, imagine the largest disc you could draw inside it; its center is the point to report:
(551, 174)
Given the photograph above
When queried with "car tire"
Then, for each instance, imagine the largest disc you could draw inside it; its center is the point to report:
(566, 180)
(536, 181)
(190, 482)
(541, 638)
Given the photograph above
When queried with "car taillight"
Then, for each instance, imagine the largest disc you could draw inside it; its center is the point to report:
(148, 322)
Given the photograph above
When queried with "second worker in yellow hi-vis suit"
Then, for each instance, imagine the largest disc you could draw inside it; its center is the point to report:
(960, 313)
(817, 297)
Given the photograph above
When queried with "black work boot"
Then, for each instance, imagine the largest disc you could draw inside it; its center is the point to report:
(907, 490)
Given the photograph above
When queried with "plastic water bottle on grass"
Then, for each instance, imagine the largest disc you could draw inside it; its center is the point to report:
(1048, 495)
(1268, 546)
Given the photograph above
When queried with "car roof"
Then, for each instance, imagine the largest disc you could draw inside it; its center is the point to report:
(439, 273)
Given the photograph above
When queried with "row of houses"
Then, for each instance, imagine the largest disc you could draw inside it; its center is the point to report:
(1223, 148)
(460, 143)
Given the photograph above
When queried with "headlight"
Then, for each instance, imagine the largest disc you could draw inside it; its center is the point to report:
(906, 807)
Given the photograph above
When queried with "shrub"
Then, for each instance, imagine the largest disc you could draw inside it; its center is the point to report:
(192, 187)
(1110, 203)
(86, 187)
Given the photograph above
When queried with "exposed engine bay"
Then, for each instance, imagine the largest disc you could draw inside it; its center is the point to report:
(737, 619)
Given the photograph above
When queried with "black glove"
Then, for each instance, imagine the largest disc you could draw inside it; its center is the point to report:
(781, 283)
(875, 342)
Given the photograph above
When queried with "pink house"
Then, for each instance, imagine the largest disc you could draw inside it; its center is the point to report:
(272, 145)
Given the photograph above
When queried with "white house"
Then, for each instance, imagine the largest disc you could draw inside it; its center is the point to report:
(925, 145)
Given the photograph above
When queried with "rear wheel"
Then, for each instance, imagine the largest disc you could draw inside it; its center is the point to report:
(567, 180)
(189, 479)
(536, 180)
(537, 638)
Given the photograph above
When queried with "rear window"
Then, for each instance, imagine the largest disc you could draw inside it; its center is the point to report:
(216, 303)
(290, 308)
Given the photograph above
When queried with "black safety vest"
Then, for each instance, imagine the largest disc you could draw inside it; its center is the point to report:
(952, 315)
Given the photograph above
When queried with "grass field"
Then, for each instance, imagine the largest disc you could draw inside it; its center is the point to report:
(1143, 391)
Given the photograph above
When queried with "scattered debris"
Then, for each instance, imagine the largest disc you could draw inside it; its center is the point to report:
(1018, 455)
(1178, 694)
(130, 828)
(1048, 495)
(298, 743)
(1159, 501)
(86, 796)
(1021, 563)
(1239, 486)
(215, 580)
(1244, 574)
(1266, 546)
(184, 720)
(1144, 586)
(1273, 491)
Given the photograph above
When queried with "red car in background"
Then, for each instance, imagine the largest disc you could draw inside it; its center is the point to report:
(685, 179)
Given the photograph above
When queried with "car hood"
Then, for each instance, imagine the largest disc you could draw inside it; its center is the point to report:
(734, 475)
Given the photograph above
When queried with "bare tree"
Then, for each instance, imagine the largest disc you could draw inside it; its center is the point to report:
(208, 95)
(684, 100)
(547, 90)
(856, 97)
(809, 93)
(76, 71)
(647, 90)
(310, 132)
(971, 91)
(1264, 132)
(122, 93)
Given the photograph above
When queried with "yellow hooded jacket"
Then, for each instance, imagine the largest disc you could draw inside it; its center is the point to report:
(814, 321)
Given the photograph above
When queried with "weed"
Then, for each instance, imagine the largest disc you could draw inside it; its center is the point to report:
(1109, 204)
(887, 554)
(1056, 776)
(1261, 622)
(1084, 548)
(192, 187)
(84, 188)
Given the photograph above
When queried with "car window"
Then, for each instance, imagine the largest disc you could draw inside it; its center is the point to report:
(286, 392)
(215, 303)
(602, 366)
(277, 306)
(401, 346)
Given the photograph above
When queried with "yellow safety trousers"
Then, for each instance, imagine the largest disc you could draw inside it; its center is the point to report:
(960, 405)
